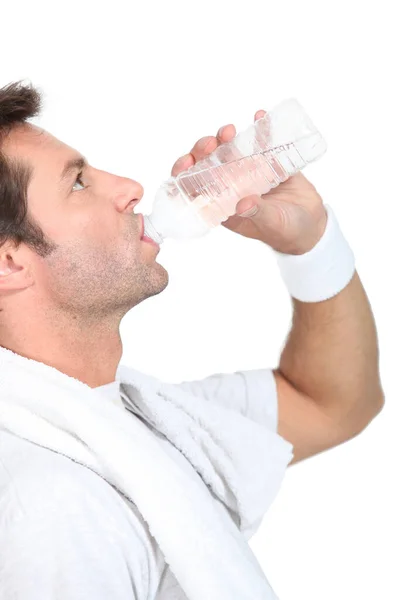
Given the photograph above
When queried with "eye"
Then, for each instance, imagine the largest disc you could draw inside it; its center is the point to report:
(79, 181)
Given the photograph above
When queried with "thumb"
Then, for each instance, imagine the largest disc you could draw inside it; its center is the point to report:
(248, 206)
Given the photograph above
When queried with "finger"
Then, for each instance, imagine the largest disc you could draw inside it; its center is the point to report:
(226, 133)
(260, 114)
(203, 147)
(182, 164)
(226, 152)
(248, 206)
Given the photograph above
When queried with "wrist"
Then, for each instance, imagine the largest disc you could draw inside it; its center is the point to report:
(323, 271)
(320, 230)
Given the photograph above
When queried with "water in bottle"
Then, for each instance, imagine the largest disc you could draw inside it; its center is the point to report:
(258, 159)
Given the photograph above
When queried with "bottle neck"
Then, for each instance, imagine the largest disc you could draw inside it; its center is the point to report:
(151, 232)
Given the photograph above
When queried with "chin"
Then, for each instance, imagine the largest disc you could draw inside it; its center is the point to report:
(162, 278)
(155, 280)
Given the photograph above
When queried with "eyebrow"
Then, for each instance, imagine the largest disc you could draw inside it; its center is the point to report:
(72, 165)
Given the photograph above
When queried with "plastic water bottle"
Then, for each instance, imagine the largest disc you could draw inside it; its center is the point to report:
(258, 159)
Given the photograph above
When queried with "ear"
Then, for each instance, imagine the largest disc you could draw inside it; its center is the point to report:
(14, 271)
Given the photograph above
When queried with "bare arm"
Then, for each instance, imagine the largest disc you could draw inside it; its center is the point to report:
(328, 379)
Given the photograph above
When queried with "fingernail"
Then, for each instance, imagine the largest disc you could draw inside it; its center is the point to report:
(250, 212)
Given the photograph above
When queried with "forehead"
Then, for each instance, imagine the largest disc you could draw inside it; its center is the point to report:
(37, 147)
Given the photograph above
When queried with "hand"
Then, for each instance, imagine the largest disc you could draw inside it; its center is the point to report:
(290, 218)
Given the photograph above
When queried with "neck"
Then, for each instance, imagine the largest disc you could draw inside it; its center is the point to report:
(88, 353)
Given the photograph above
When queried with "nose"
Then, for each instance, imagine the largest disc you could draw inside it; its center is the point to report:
(128, 194)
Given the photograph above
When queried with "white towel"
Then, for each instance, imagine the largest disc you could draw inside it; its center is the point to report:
(51, 409)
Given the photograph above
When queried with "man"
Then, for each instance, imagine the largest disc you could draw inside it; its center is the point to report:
(72, 264)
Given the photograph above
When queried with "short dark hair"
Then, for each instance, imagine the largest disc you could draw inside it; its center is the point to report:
(18, 102)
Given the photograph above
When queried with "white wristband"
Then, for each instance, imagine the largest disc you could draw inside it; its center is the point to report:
(322, 272)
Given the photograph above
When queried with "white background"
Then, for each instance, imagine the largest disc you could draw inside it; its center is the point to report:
(132, 86)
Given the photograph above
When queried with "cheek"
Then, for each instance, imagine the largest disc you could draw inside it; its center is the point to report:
(103, 230)
(92, 244)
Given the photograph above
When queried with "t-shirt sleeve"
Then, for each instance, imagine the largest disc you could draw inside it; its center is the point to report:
(253, 393)
(57, 556)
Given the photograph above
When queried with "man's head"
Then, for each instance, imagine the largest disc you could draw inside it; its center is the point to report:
(70, 244)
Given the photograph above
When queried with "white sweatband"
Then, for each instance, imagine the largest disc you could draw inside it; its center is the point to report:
(322, 272)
